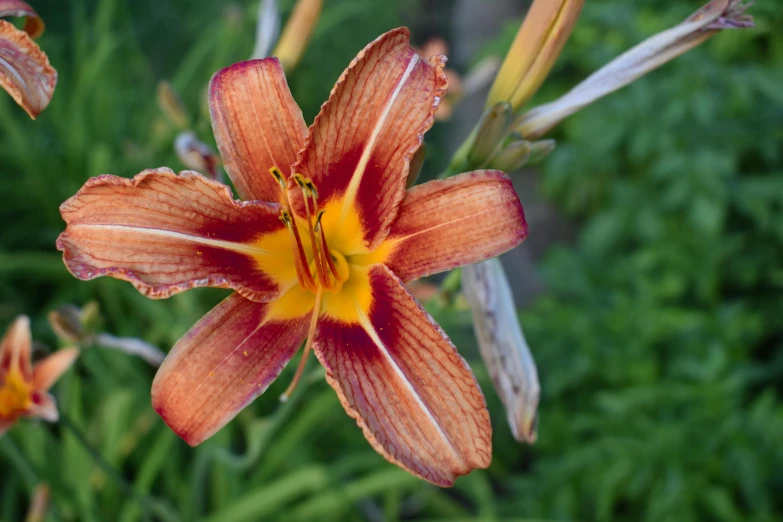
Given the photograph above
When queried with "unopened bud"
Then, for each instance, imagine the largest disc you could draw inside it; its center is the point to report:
(540, 150)
(297, 32)
(636, 62)
(489, 132)
(66, 322)
(73, 324)
(537, 45)
(513, 156)
(171, 105)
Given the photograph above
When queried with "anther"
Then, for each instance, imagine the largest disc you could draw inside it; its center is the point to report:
(278, 175)
(320, 266)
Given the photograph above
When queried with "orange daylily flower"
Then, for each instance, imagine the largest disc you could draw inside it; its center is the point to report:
(319, 251)
(23, 386)
(25, 72)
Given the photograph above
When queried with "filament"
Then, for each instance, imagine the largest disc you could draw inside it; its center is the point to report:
(308, 345)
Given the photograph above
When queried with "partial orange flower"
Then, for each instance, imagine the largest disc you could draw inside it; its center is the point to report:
(25, 72)
(24, 386)
(316, 252)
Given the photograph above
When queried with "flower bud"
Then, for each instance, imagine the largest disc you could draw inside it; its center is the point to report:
(636, 62)
(540, 150)
(66, 322)
(489, 132)
(297, 32)
(171, 105)
(537, 45)
(512, 156)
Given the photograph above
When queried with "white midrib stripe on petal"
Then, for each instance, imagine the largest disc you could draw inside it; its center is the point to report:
(368, 327)
(356, 179)
(226, 245)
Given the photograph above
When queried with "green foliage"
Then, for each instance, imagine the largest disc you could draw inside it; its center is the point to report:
(660, 344)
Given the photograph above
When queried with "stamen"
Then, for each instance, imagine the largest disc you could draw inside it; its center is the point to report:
(325, 247)
(303, 274)
(308, 345)
(278, 175)
(317, 250)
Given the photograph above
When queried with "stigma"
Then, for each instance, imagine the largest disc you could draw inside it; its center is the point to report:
(326, 270)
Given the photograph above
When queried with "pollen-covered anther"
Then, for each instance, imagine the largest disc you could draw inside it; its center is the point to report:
(318, 257)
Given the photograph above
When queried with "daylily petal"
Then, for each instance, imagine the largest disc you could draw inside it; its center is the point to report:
(24, 70)
(448, 223)
(400, 377)
(48, 370)
(166, 233)
(16, 346)
(360, 145)
(224, 362)
(257, 125)
(44, 407)
(33, 24)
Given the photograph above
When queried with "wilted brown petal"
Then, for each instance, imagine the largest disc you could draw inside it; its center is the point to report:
(503, 346)
(33, 26)
(636, 62)
(24, 70)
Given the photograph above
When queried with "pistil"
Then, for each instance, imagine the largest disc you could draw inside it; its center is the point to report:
(308, 345)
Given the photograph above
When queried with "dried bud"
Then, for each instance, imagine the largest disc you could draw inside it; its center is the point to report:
(489, 132)
(135, 347)
(25, 72)
(638, 61)
(537, 45)
(267, 28)
(196, 155)
(503, 346)
(33, 24)
(297, 32)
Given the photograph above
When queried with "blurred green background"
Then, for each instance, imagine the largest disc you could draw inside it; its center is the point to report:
(659, 340)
